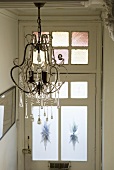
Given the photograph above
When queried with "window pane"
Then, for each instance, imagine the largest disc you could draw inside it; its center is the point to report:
(79, 38)
(64, 54)
(79, 89)
(74, 133)
(79, 56)
(60, 39)
(45, 136)
(63, 93)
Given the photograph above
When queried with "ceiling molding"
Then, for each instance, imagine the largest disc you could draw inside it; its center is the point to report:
(42, 1)
(7, 13)
(53, 7)
(47, 4)
(85, 18)
(108, 16)
(51, 4)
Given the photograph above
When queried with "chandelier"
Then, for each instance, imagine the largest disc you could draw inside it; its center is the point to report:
(40, 81)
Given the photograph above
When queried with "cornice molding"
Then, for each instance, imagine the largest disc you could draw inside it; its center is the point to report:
(62, 18)
(109, 7)
(6, 13)
(108, 16)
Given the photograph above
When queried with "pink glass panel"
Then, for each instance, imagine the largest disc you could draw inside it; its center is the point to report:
(80, 39)
(64, 54)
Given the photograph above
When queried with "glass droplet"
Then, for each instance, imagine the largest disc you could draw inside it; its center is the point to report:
(39, 121)
(44, 113)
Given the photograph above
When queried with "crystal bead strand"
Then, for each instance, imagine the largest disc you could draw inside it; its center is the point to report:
(21, 93)
(44, 108)
(26, 105)
(31, 114)
(51, 109)
(47, 109)
(41, 99)
(58, 104)
(39, 119)
(21, 99)
(55, 99)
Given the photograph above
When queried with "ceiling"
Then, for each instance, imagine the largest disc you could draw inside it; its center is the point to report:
(64, 7)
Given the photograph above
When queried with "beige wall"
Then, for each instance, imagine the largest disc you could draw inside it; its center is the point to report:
(8, 150)
(108, 103)
(8, 51)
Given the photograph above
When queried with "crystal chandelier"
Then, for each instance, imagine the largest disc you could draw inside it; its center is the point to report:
(39, 81)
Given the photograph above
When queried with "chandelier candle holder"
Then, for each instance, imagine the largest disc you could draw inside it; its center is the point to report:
(38, 80)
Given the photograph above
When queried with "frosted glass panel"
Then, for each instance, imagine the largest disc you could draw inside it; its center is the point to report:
(45, 136)
(79, 56)
(1, 120)
(79, 38)
(79, 89)
(63, 93)
(60, 39)
(64, 54)
(74, 133)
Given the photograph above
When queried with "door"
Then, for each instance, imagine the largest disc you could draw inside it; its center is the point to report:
(78, 107)
(77, 111)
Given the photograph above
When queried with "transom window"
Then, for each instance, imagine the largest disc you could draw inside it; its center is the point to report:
(72, 45)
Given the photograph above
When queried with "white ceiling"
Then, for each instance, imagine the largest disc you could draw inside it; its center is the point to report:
(27, 7)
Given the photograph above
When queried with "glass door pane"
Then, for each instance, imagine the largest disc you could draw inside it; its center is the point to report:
(74, 133)
(45, 136)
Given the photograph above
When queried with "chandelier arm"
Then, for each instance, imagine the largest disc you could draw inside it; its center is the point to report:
(31, 35)
(15, 81)
(33, 83)
(34, 90)
(54, 61)
(49, 80)
(56, 88)
(25, 53)
(55, 73)
(18, 66)
(17, 84)
(65, 69)
(26, 73)
(57, 79)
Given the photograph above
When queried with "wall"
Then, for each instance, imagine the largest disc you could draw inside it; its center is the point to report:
(108, 103)
(8, 51)
(8, 150)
